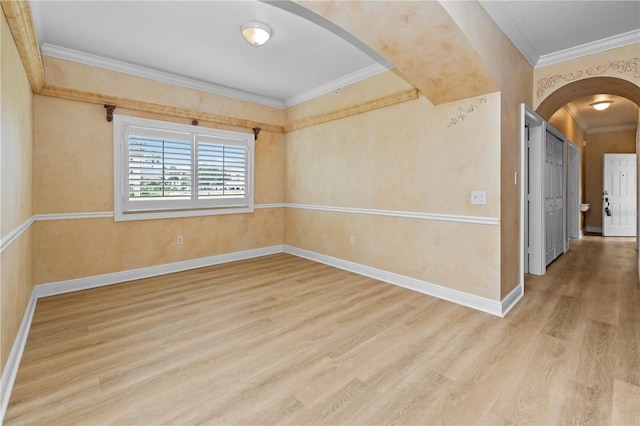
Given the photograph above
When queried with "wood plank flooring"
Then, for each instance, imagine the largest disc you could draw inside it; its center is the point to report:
(282, 340)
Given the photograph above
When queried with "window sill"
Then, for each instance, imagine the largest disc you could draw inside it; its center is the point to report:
(169, 214)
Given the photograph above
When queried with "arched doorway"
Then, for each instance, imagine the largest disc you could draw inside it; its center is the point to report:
(589, 87)
(586, 87)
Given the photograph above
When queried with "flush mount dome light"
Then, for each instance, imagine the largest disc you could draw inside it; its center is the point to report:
(602, 105)
(256, 33)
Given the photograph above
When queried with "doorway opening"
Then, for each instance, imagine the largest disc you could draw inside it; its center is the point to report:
(532, 135)
(573, 192)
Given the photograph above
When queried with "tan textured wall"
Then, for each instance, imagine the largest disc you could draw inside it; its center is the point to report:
(514, 77)
(567, 125)
(420, 39)
(598, 144)
(511, 72)
(73, 173)
(460, 256)
(16, 196)
(407, 157)
(67, 249)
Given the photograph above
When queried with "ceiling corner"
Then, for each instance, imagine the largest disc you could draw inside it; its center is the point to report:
(613, 42)
(508, 25)
(572, 110)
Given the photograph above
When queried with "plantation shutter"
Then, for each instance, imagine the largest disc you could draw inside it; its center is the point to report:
(164, 170)
(222, 168)
(160, 165)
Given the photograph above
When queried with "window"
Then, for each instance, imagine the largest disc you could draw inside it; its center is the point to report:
(173, 170)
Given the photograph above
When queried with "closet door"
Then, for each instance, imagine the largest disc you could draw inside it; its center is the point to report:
(554, 197)
(549, 207)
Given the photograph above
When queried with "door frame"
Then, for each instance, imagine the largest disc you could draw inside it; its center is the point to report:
(533, 148)
(531, 192)
(573, 191)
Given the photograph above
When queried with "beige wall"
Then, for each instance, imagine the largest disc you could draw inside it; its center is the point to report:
(514, 77)
(404, 158)
(568, 126)
(73, 173)
(421, 39)
(598, 144)
(16, 196)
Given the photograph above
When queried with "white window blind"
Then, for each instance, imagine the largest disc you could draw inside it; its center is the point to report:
(170, 170)
(221, 169)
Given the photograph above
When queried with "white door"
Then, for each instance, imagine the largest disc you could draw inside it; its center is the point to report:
(554, 197)
(619, 195)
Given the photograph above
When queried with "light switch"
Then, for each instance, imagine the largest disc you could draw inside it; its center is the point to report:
(479, 197)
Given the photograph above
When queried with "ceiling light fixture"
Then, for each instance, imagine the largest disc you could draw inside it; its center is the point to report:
(602, 105)
(256, 33)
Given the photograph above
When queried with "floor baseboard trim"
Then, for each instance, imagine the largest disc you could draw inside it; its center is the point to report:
(596, 229)
(479, 303)
(512, 299)
(67, 286)
(15, 356)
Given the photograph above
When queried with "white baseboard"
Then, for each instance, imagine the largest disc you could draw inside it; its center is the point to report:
(512, 298)
(13, 362)
(596, 229)
(61, 287)
(483, 304)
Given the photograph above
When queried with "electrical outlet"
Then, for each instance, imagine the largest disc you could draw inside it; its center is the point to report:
(179, 240)
(352, 240)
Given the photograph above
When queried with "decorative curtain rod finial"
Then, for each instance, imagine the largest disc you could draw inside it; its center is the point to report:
(109, 109)
(256, 132)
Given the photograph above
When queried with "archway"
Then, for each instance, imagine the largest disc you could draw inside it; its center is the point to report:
(586, 87)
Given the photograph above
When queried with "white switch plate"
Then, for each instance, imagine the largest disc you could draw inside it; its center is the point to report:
(479, 197)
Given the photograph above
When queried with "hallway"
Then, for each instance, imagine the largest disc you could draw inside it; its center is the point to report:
(589, 300)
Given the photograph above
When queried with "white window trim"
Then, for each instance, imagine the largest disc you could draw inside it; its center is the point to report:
(121, 168)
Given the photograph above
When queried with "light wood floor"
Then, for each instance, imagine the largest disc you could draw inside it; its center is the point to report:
(282, 340)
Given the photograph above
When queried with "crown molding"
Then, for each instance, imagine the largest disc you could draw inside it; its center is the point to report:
(334, 85)
(612, 129)
(370, 105)
(508, 25)
(573, 112)
(114, 65)
(612, 42)
(119, 66)
(20, 20)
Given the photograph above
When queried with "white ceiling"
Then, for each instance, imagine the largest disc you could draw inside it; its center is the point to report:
(621, 114)
(547, 32)
(198, 44)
